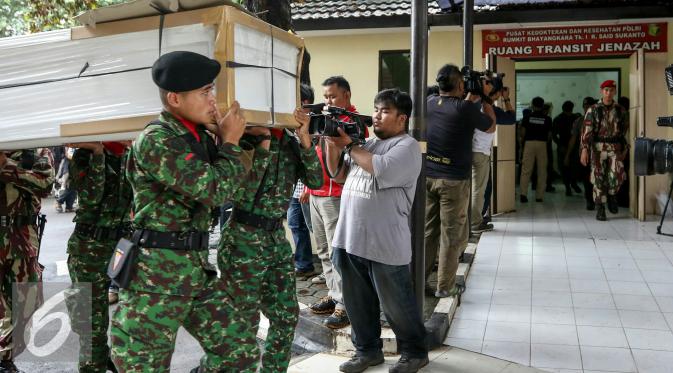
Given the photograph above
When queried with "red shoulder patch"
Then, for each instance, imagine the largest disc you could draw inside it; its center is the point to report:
(189, 156)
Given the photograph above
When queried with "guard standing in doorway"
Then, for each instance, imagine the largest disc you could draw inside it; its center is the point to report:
(604, 145)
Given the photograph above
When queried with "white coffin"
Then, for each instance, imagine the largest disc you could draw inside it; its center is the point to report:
(115, 97)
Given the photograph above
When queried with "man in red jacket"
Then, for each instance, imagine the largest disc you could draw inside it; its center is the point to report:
(324, 215)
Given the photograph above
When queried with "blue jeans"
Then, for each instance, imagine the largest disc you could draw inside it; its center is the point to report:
(370, 286)
(303, 256)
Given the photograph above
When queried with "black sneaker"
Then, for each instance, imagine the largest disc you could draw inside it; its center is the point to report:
(7, 366)
(409, 365)
(613, 206)
(304, 273)
(591, 205)
(325, 305)
(483, 227)
(358, 363)
(523, 198)
(486, 218)
(600, 212)
(337, 320)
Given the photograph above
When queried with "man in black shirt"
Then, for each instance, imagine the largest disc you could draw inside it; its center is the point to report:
(536, 131)
(561, 133)
(451, 121)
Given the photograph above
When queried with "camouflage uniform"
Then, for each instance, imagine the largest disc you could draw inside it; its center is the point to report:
(257, 264)
(22, 186)
(104, 211)
(174, 191)
(604, 135)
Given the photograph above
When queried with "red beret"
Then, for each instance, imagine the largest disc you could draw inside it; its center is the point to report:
(608, 83)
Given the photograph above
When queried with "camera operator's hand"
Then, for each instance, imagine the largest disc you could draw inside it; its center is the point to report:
(339, 142)
(584, 157)
(302, 131)
(95, 147)
(231, 126)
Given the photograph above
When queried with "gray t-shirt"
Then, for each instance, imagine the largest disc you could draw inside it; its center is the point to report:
(374, 215)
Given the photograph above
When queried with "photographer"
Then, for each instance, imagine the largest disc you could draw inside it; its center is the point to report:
(372, 241)
(536, 132)
(451, 125)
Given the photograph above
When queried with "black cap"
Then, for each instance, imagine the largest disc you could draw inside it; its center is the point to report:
(183, 71)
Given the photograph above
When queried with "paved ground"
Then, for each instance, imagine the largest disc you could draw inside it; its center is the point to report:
(552, 287)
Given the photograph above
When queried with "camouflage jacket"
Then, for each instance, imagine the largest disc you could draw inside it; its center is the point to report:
(270, 183)
(104, 193)
(26, 179)
(603, 121)
(174, 191)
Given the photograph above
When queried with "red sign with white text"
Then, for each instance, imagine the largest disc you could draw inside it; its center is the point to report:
(576, 41)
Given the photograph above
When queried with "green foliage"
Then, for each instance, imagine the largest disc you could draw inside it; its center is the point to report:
(11, 17)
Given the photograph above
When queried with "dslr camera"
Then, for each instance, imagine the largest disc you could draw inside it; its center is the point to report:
(474, 80)
(655, 156)
(325, 120)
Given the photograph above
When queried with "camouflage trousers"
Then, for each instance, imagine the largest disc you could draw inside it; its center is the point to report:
(259, 277)
(145, 325)
(87, 299)
(607, 174)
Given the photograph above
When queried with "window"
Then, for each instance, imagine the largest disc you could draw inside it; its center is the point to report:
(394, 69)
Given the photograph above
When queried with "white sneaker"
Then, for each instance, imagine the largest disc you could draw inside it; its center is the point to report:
(319, 279)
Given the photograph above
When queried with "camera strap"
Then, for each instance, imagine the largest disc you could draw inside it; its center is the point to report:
(324, 161)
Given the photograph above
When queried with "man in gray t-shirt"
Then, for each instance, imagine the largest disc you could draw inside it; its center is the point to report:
(372, 241)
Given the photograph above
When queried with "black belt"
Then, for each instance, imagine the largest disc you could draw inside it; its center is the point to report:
(7, 221)
(440, 160)
(196, 241)
(253, 220)
(610, 139)
(102, 233)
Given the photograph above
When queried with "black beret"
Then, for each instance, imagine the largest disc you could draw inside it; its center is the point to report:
(183, 71)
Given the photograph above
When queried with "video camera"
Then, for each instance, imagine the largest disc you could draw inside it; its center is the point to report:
(473, 80)
(325, 120)
(655, 156)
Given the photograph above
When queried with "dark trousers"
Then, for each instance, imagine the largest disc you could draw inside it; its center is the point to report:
(68, 198)
(565, 170)
(370, 286)
(487, 194)
(303, 255)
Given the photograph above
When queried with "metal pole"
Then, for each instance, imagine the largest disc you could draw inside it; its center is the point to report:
(468, 32)
(419, 73)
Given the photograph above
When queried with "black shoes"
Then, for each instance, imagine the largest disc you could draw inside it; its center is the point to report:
(523, 198)
(600, 212)
(483, 227)
(538, 200)
(613, 206)
(304, 273)
(337, 320)
(7, 366)
(409, 365)
(591, 205)
(569, 192)
(359, 363)
(325, 305)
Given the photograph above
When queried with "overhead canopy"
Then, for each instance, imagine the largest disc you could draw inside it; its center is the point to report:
(146, 8)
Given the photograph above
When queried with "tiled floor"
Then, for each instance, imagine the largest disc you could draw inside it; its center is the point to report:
(553, 288)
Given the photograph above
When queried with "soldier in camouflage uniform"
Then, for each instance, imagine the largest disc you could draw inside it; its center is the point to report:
(604, 145)
(26, 177)
(98, 175)
(254, 256)
(178, 176)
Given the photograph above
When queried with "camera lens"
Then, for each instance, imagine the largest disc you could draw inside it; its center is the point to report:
(653, 156)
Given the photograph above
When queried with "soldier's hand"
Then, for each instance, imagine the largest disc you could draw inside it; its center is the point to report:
(95, 147)
(584, 157)
(231, 125)
(302, 131)
(304, 196)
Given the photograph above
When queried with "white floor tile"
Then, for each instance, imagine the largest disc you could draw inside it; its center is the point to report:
(597, 317)
(473, 311)
(513, 297)
(466, 344)
(635, 302)
(555, 356)
(511, 351)
(512, 283)
(507, 331)
(586, 273)
(669, 319)
(589, 286)
(583, 262)
(554, 334)
(648, 361)
(601, 336)
(643, 320)
(593, 300)
(643, 339)
(665, 303)
(509, 313)
(608, 359)
(661, 290)
(623, 275)
(619, 263)
(629, 288)
(467, 329)
(476, 295)
(658, 276)
(553, 315)
(541, 272)
(551, 284)
(542, 298)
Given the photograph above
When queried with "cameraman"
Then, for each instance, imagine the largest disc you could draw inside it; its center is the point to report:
(451, 123)
(372, 241)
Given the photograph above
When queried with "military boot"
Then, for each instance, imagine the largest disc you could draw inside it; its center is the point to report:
(613, 206)
(600, 212)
